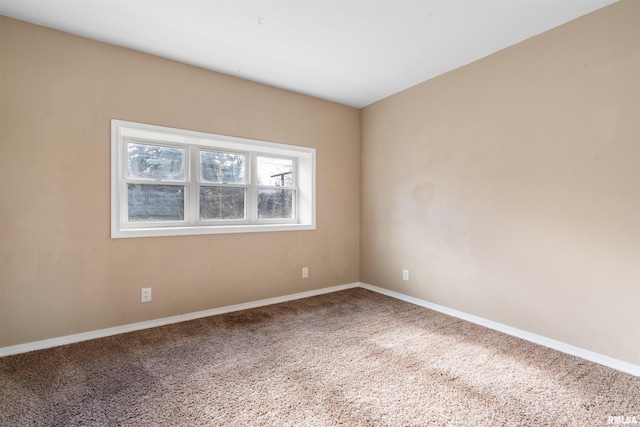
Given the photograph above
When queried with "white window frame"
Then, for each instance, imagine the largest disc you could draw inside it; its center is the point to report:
(303, 158)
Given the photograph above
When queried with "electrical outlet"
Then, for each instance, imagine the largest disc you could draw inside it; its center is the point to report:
(405, 275)
(145, 295)
(305, 272)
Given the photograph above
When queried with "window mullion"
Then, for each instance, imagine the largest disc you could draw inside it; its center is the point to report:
(252, 194)
(124, 188)
(193, 184)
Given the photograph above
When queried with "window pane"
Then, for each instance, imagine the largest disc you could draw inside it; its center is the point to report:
(222, 203)
(156, 202)
(272, 171)
(148, 161)
(222, 168)
(275, 204)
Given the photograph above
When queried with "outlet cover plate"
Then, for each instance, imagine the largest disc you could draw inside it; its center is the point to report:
(145, 295)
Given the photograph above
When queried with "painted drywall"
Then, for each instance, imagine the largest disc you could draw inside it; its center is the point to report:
(510, 188)
(61, 273)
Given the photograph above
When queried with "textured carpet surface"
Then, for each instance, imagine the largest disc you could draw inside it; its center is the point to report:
(350, 358)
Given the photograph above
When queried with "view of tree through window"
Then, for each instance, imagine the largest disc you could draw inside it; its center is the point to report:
(222, 201)
(275, 203)
(156, 202)
(222, 168)
(148, 161)
(275, 172)
(152, 202)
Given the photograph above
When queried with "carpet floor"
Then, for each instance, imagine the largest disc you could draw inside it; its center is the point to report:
(349, 358)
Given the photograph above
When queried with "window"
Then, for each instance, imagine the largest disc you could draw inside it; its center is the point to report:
(168, 182)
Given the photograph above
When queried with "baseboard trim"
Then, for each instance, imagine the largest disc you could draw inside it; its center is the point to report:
(591, 356)
(537, 339)
(101, 333)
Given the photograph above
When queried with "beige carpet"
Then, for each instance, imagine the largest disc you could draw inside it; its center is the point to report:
(351, 358)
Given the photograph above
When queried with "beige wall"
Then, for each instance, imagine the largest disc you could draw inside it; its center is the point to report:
(60, 273)
(510, 188)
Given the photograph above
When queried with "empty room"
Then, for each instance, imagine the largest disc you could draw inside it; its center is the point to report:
(322, 213)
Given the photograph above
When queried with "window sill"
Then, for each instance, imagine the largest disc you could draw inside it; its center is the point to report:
(189, 231)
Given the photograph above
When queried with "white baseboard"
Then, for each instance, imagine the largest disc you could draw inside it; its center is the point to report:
(537, 339)
(101, 333)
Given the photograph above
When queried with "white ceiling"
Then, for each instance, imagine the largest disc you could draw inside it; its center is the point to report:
(354, 52)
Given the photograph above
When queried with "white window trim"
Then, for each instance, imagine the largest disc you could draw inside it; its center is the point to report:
(121, 131)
